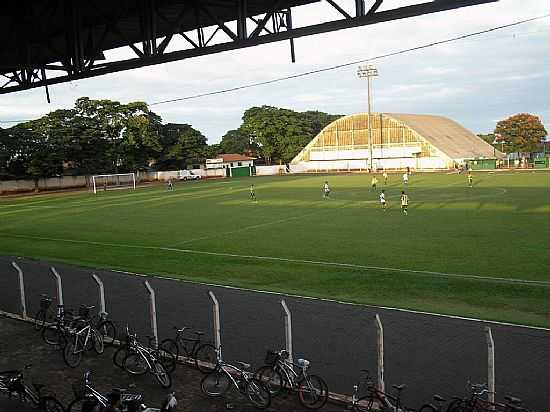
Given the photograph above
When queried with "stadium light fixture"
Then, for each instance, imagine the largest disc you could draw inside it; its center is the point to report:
(368, 71)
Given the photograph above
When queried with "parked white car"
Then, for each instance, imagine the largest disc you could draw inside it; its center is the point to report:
(188, 175)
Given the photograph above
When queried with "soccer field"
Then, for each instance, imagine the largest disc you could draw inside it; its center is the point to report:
(479, 252)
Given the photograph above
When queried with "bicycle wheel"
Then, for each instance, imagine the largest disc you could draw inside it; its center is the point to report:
(313, 392)
(53, 335)
(215, 384)
(460, 406)
(108, 331)
(167, 359)
(135, 364)
(97, 341)
(454, 404)
(39, 320)
(427, 408)
(162, 375)
(270, 378)
(83, 405)
(51, 404)
(171, 346)
(119, 356)
(72, 355)
(205, 358)
(258, 394)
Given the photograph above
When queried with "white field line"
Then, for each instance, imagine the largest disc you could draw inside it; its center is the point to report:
(521, 282)
(418, 312)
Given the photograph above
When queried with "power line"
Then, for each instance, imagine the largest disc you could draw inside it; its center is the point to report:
(335, 67)
(352, 63)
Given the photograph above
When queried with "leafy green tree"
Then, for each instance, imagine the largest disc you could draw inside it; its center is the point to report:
(236, 141)
(521, 132)
(181, 144)
(489, 137)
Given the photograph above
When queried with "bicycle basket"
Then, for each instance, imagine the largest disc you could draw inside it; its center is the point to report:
(271, 358)
(79, 390)
(83, 312)
(45, 303)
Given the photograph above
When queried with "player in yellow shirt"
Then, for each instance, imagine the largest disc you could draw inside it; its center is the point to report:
(374, 182)
(385, 174)
(404, 202)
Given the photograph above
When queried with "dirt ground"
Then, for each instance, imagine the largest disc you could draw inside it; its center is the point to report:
(21, 345)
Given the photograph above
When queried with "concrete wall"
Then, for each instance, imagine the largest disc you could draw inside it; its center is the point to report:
(269, 170)
(52, 183)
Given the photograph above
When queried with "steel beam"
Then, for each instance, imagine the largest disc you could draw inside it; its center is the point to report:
(76, 66)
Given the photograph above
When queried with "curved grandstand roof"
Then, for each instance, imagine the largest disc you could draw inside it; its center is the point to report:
(450, 138)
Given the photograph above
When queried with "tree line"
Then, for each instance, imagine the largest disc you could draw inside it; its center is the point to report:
(104, 136)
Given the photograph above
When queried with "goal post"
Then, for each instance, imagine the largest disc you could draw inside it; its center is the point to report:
(114, 181)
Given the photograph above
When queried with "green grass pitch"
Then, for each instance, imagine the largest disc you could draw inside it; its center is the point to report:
(485, 248)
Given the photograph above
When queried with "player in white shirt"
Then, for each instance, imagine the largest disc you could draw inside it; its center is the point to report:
(383, 200)
(405, 178)
(326, 190)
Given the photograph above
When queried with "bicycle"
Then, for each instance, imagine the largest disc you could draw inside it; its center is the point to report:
(106, 328)
(129, 345)
(56, 333)
(87, 398)
(43, 314)
(218, 382)
(82, 337)
(12, 382)
(476, 402)
(203, 354)
(438, 405)
(143, 359)
(278, 373)
(375, 399)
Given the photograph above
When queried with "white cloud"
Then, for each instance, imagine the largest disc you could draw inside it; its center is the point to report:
(473, 81)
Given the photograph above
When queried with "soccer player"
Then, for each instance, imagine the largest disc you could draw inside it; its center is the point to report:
(404, 202)
(252, 192)
(374, 182)
(326, 190)
(385, 177)
(383, 200)
(170, 185)
(470, 179)
(405, 178)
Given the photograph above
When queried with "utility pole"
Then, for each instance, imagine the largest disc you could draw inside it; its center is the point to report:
(368, 71)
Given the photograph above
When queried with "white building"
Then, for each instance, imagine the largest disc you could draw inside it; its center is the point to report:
(398, 141)
(234, 164)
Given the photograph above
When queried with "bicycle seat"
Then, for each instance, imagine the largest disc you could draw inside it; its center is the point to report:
(438, 398)
(513, 400)
(199, 332)
(180, 330)
(303, 363)
(38, 386)
(399, 388)
(244, 366)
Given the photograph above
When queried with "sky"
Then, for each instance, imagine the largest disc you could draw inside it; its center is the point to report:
(476, 81)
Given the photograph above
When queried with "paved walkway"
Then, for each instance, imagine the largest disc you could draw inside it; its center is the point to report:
(21, 345)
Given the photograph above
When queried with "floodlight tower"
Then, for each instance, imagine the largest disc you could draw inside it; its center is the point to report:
(368, 71)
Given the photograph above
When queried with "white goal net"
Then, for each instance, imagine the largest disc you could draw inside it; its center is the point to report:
(115, 181)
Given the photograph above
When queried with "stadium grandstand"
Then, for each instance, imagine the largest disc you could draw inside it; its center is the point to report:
(398, 141)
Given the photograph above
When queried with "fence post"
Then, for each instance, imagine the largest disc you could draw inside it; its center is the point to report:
(216, 316)
(101, 293)
(152, 311)
(58, 285)
(380, 351)
(21, 289)
(288, 329)
(490, 364)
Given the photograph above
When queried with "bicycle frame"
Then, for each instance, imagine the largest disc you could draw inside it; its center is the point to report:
(88, 331)
(181, 341)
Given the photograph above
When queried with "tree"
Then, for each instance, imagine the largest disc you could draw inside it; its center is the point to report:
(522, 132)
(489, 137)
(237, 141)
(181, 144)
